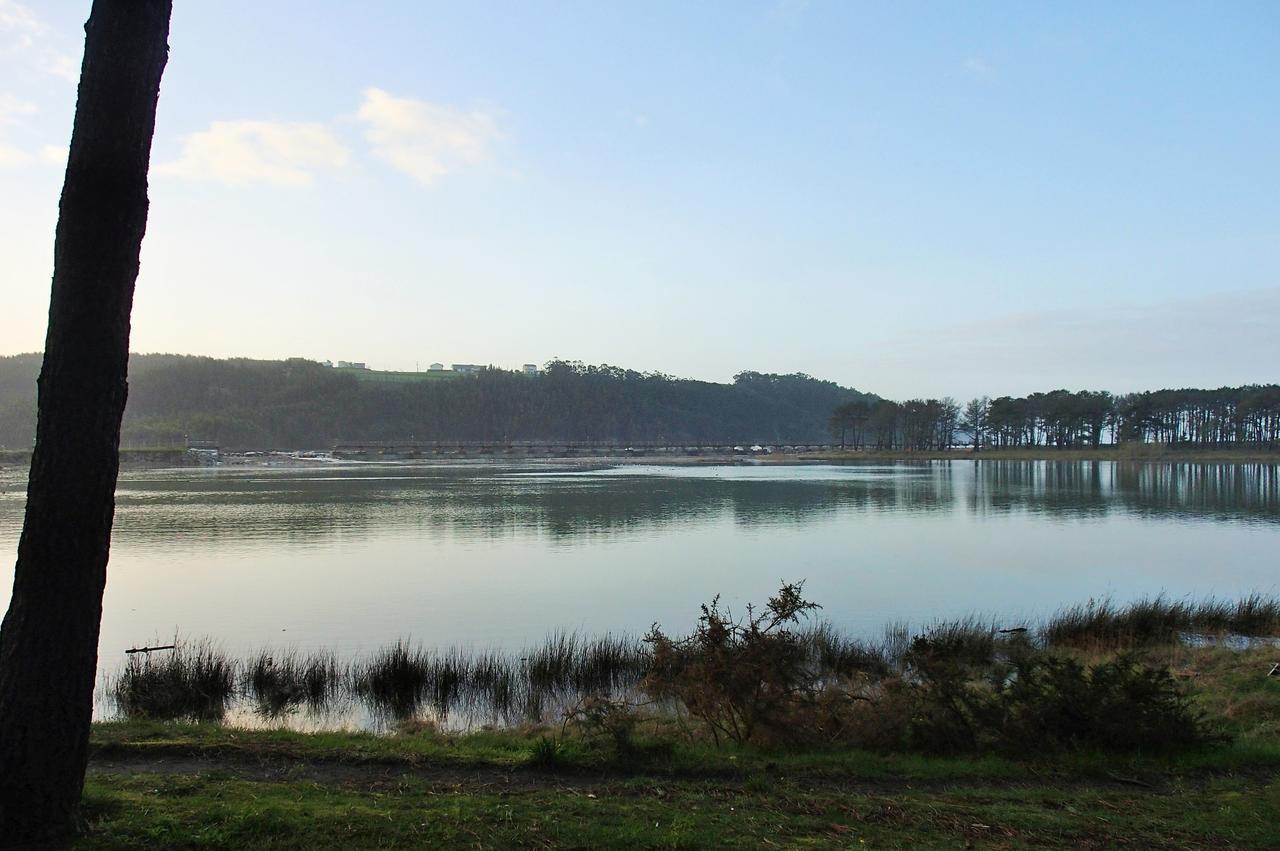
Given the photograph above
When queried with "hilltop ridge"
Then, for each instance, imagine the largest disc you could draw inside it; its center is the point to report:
(254, 404)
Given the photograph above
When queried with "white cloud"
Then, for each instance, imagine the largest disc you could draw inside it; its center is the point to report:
(54, 154)
(977, 67)
(13, 157)
(425, 140)
(23, 34)
(243, 152)
(11, 107)
(61, 65)
(17, 18)
(635, 119)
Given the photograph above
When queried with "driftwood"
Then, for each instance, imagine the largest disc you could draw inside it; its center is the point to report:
(149, 649)
(1275, 670)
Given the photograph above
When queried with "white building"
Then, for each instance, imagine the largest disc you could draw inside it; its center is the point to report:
(467, 368)
(530, 369)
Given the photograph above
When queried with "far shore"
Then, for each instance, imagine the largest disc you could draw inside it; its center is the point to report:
(1145, 453)
(1141, 454)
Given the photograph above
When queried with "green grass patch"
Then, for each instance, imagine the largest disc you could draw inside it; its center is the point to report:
(210, 812)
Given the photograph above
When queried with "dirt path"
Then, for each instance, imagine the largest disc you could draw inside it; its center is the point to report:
(496, 779)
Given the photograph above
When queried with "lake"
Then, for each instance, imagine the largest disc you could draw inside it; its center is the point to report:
(488, 555)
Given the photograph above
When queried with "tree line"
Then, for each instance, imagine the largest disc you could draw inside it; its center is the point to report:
(1228, 416)
(299, 404)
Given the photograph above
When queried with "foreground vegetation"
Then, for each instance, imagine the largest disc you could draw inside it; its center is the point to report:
(1150, 724)
(209, 786)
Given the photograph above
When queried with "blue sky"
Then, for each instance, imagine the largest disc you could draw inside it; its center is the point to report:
(913, 199)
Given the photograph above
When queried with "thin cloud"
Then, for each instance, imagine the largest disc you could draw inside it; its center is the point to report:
(13, 157)
(425, 140)
(24, 34)
(60, 65)
(247, 152)
(12, 107)
(639, 120)
(18, 19)
(977, 67)
(12, 112)
(53, 154)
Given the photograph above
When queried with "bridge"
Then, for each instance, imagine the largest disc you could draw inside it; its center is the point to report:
(560, 448)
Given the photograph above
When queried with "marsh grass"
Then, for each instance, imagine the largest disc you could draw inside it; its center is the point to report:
(194, 681)
(280, 683)
(459, 689)
(1160, 620)
(404, 680)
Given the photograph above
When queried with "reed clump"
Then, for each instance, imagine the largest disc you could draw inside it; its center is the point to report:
(280, 683)
(193, 681)
(1160, 620)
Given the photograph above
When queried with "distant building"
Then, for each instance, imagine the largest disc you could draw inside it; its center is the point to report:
(436, 367)
(351, 364)
(467, 368)
(530, 369)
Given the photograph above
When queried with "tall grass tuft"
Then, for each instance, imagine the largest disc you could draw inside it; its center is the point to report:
(835, 654)
(191, 682)
(394, 681)
(280, 683)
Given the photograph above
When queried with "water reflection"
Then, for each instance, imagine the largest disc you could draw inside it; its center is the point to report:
(1083, 489)
(496, 555)
(497, 503)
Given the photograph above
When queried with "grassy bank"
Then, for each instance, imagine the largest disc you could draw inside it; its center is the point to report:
(667, 779)
(206, 786)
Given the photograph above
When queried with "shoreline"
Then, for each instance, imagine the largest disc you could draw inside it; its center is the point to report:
(142, 459)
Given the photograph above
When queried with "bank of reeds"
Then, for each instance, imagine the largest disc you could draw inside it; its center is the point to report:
(462, 688)
(1156, 620)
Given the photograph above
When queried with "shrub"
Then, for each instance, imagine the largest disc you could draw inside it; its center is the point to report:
(605, 724)
(1030, 700)
(1118, 705)
(751, 677)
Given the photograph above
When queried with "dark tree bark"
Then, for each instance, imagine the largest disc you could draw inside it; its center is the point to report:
(49, 638)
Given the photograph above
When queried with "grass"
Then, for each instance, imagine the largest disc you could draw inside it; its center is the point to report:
(1159, 619)
(211, 812)
(428, 788)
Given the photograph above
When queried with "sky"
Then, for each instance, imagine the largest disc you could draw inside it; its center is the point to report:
(913, 199)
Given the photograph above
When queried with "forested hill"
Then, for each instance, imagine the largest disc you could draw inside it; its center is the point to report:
(301, 404)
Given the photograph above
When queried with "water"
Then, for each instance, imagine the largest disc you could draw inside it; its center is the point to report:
(486, 555)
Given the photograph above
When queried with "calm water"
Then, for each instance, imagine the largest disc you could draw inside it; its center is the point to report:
(488, 555)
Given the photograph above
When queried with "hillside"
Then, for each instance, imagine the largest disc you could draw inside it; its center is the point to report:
(298, 404)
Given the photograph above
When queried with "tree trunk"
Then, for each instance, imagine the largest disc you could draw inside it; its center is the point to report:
(49, 638)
